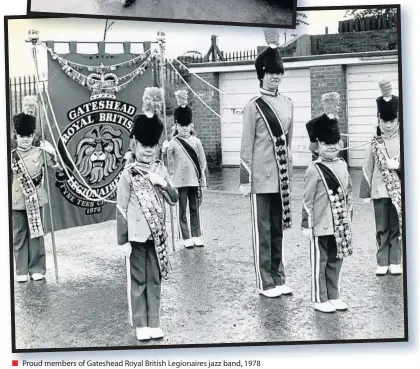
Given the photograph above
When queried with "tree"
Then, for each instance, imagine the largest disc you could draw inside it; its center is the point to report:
(300, 19)
(363, 13)
(107, 27)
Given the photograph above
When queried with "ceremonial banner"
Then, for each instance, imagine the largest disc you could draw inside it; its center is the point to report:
(94, 108)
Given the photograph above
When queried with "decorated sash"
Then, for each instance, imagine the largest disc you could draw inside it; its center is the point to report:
(338, 202)
(390, 177)
(154, 212)
(276, 131)
(193, 156)
(30, 195)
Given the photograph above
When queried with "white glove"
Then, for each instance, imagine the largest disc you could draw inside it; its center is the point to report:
(392, 164)
(308, 232)
(156, 179)
(165, 145)
(46, 146)
(367, 201)
(245, 189)
(58, 167)
(125, 249)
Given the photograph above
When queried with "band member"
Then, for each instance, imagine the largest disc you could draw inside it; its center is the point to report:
(381, 182)
(143, 187)
(29, 195)
(266, 169)
(330, 106)
(326, 215)
(187, 168)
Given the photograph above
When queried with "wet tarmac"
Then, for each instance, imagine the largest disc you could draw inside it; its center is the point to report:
(211, 296)
(242, 11)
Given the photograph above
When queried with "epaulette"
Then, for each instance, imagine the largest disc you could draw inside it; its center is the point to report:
(285, 97)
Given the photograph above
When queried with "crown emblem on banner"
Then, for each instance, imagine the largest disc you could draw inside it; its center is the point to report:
(102, 85)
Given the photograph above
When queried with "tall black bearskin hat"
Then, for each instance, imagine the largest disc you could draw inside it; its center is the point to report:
(147, 130)
(24, 124)
(183, 115)
(269, 60)
(323, 129)
(387, 110)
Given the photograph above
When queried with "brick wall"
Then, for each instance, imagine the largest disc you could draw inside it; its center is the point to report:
(325, 79)
(206, 123)
(351, 42)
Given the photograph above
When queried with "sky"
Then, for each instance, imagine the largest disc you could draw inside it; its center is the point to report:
(179, 37)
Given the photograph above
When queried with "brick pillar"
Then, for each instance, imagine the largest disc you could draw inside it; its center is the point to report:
(206, 123)
(331, 78)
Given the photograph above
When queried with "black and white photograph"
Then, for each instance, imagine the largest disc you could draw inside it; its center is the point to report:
(194, 185)
(270, 13)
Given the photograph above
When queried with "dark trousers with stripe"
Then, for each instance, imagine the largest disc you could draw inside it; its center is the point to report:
(143, 285)
(190, 195)
(326, 267)
(387, 230)
(29, 252)
(267, 236)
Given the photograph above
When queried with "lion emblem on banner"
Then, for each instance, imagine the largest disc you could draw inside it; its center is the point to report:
(99, 152)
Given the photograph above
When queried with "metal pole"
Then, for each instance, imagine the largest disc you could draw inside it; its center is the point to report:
(34, 55)
(161, 41)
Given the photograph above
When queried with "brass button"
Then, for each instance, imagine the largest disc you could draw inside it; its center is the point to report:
(325, 213)
(138, 219)
(326, 227)
(268, 175)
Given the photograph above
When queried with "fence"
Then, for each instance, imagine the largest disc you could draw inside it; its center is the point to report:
(384, 21)
(225, 56)
(20, 87)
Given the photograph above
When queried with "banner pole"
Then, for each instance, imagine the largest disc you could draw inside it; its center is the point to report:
(34, 55)
(161, 41)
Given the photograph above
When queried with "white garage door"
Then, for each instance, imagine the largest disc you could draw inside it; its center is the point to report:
(362, 91)
(243, 86)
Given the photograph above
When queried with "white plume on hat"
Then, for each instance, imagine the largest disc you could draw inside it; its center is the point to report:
(30, 100)
(153, 99)
(272, 37)
(330, 102)
(181, 97)
(385, 86)
(331, 97)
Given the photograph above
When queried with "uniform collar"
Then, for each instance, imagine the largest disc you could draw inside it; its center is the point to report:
(329, 160)
(24, 150)
(143, 166)
(184, 137)
(396, 133)
(263, 91)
